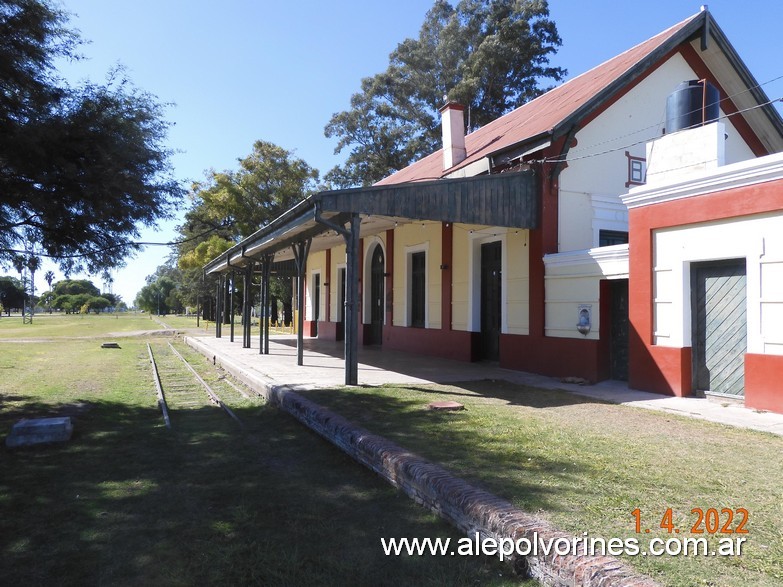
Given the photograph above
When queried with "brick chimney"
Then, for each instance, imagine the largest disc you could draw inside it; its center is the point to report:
(453, 125)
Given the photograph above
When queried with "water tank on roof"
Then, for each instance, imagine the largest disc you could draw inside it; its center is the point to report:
(692, 103)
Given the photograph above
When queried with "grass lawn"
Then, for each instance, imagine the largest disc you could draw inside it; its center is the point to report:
(128, 502)
(74, 325)
(586, 466)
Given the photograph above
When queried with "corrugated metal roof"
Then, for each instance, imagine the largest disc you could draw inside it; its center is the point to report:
(550, 110)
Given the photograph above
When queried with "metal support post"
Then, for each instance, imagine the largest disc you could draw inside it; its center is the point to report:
(232, 314)
(219, 308)
(351, 237)
(267, 299)
(301, 250)
(351, 302)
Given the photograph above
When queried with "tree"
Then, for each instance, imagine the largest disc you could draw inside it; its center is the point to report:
(99, 303)
(12, 295)
(82, 166)
(233, 204)
(47, 299)
(76, 286)
(489, 55)
(161, 295)
(49, 279)
(114, 299)
(204, 252)
(237, 203)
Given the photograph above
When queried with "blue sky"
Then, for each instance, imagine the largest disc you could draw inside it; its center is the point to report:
(240, 70)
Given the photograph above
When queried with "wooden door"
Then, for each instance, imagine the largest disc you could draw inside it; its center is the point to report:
(491, 279)
(341, 303)
(618, 344)
(377, 309)
(719, 327)
(316, 302)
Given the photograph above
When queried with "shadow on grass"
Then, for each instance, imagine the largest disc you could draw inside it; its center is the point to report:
(511, 393)
(508, 459)
(129, 502)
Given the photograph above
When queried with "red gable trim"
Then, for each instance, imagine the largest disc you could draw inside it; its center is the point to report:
(697, 64)
(557, 111)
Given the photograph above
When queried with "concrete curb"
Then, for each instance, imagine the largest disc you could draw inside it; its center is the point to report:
(472, 510)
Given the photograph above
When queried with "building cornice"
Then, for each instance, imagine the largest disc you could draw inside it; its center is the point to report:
(599, 261)
(728, 177)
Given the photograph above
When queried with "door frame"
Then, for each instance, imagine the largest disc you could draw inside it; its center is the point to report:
(315, 300)
(476, 238)
(695, 267)
(376, 245)
(612, 286)
(483, 305)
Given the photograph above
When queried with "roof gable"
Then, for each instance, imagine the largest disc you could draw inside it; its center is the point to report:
(552, 114)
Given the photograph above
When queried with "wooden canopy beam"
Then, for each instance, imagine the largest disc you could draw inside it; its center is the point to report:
(505, 199)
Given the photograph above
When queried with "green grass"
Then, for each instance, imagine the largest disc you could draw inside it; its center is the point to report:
(128, 502)
(74, 325)
(585, 466)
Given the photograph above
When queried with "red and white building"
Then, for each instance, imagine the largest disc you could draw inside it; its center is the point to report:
(511, 243)
(706, 272)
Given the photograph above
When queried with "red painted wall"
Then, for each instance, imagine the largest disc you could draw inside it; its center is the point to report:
(555, 357)
(433, 342)
(762, 382)
(665, 369)
(309, 328)
(330, 330)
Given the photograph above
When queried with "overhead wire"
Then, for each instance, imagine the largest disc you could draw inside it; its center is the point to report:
(567, 157)
(110, 247)
(658, 124)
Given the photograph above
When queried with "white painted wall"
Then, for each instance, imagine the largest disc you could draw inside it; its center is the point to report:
(677, 155)
(597, 166)
(573, 280)
(758, 239)
(590, 190)
(316, 263)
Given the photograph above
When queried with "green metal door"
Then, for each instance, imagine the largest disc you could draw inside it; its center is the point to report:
(719, 327)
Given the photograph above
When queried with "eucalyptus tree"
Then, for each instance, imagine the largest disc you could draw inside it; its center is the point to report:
(490, 55)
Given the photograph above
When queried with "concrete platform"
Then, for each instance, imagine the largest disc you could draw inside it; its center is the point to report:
(323, 367)
(39, 431)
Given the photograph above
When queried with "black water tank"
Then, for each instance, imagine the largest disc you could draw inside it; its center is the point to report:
(692, 104)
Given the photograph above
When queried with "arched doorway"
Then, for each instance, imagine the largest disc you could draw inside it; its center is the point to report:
(377, 303)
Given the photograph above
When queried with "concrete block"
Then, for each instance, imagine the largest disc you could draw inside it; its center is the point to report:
(447, 406)
(39, 431)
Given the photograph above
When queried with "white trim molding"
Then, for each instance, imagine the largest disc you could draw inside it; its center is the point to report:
(608, 262)
(736, 175)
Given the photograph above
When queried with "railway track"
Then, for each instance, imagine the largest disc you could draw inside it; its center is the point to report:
(183, 392)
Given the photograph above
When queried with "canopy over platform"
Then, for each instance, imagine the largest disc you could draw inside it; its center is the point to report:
(334, 218)
(507, 199)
